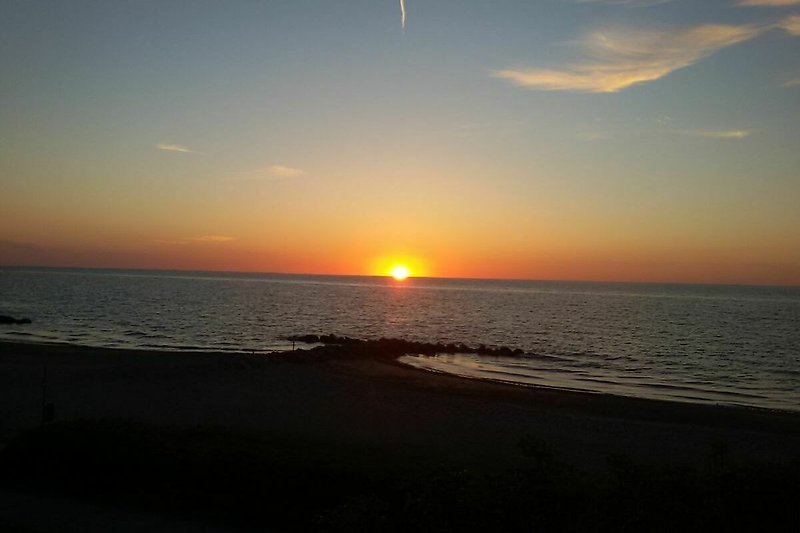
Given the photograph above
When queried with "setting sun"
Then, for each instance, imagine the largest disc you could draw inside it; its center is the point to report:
(400, 264)
(400, 272)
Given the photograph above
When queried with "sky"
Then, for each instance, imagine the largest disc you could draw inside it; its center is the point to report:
(651, 140)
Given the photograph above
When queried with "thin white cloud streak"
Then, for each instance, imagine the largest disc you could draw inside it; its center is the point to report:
(281, 171)
(170, 242)
(592, 135)
(792, 83)
(403, 13)
(271, 173)
(214, 238)
(791, 24)
(200, 239)
(716, 134)
(176, 148)
(769, 3)
(619, 59)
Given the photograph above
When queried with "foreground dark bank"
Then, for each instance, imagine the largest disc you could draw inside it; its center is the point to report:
(338, 440)
(279, 482)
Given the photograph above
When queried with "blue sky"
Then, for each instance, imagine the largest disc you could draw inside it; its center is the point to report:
(556, 138)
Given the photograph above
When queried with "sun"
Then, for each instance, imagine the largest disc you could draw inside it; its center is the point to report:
(399, 272)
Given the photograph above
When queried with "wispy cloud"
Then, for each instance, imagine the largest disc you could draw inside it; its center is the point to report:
(769, 3)
(176, 148)
(619, 59)
(281, 171)
(795, 82)
(403, 13)
(214, 238)
(716, 134)
(592, 135)
(201, 239)
(170, 242)
(791, 24)
(270, 173)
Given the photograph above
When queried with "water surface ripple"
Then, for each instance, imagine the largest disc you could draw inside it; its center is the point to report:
(721, 344)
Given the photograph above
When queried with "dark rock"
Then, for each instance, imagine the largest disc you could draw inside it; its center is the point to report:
(336, 345)
(11, 320)
(310, 339)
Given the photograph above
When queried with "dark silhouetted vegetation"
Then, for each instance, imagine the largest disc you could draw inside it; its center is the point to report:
(281, 483)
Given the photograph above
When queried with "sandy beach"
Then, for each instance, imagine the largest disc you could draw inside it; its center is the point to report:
(376, 406)
(378, 402)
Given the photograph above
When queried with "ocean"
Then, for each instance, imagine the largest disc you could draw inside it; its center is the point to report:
(698, 343)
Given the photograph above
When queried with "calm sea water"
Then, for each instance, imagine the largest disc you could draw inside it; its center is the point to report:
(731, 345)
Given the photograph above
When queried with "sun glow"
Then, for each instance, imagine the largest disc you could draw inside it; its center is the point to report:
(400, 272)
(399, 265)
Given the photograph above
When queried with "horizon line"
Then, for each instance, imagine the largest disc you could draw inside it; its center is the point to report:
(266, 273)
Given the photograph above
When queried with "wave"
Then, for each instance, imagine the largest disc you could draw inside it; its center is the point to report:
(639, 385)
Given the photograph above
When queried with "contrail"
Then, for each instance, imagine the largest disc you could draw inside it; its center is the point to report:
(403, 13)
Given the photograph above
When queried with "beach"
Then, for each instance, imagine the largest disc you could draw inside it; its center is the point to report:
(368, 400)
(377, 407)
(415, 266)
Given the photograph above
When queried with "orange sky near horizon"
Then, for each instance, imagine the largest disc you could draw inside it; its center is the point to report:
(477, 142)
(722, 267)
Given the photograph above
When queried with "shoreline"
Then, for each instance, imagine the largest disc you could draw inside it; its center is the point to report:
(323, 352)
(575, 390)
(158, 425)
(393, 372)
